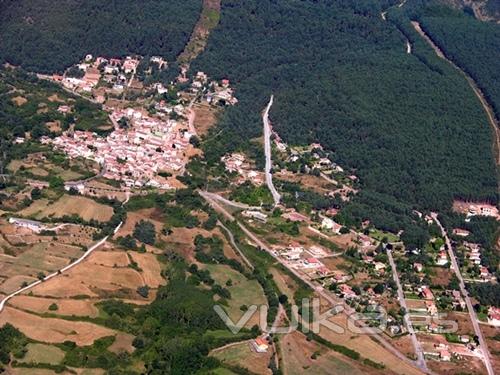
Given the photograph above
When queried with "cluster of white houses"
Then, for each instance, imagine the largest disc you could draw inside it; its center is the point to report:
(134, 153)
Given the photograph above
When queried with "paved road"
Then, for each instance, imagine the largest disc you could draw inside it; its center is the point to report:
(325, 294)
(409, 326)
(267, 150)
(465, 294)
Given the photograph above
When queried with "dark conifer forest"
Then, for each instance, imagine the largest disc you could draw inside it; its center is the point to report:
(407, 124)
(48, 36)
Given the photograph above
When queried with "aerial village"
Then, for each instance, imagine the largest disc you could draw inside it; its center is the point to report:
(151, 141)
(362, 275)
(149, 145)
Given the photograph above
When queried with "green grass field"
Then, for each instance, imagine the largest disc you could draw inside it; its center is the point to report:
(243, 291)
(42, 353)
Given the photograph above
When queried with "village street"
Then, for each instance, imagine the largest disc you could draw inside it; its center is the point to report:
(333, 300)
(465, 294)
(409, 326)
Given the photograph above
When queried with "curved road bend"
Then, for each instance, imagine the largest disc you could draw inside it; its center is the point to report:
(409, 326)
(465, 294)
(318, 289)
(267, 150)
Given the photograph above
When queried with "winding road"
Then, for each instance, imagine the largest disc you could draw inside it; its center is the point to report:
(472, 313)
(325, 294)
(267, 150)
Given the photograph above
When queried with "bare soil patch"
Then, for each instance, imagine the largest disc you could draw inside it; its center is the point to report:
(205, 118)
(64, 306)
(151, 269)
(53, 330)
(86, 208)
(19, 100)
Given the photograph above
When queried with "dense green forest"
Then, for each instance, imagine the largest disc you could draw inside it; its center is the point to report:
(407, 123)
(471, 44)
(48, 35)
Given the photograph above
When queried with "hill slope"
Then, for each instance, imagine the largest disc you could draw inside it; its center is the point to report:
(47, 35)
(408, 123)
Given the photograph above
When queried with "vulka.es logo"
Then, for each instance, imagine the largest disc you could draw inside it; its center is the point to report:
(311, 319)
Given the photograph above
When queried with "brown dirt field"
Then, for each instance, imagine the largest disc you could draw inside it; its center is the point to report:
(404, 345)
(441, 276)
(415, 303)
(123, 343)
(151, 269)
(297, 351)
(55, 98)
(100, 189)
(134, 217)
(68, 205)
(206, 117)
(53, 330)
(109, 258)
(463, 320)
(467, 365)
(63, 287)
(19, 100)
(317, 184)
(181, 240)
(342, 240)
(33, 371)
(367, 347)
(65, 306)
(54, 126)
(335, 263)
(14, 283)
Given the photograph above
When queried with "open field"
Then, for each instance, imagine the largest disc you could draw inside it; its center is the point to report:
(206, 116)
(64, 306)
(243, 291)
(367, 347)
(31, 260)
(94, 279)
(297, 355)
(243, 355)
(104, 274)
(314, 183)
(86, 208)
(101, 189)
(109, 258)
(151, 270)
(42, 353)
(53, 330)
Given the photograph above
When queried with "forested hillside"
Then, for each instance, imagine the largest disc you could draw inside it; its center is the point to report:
(471, 44)
(407, 123)
(50, 35)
